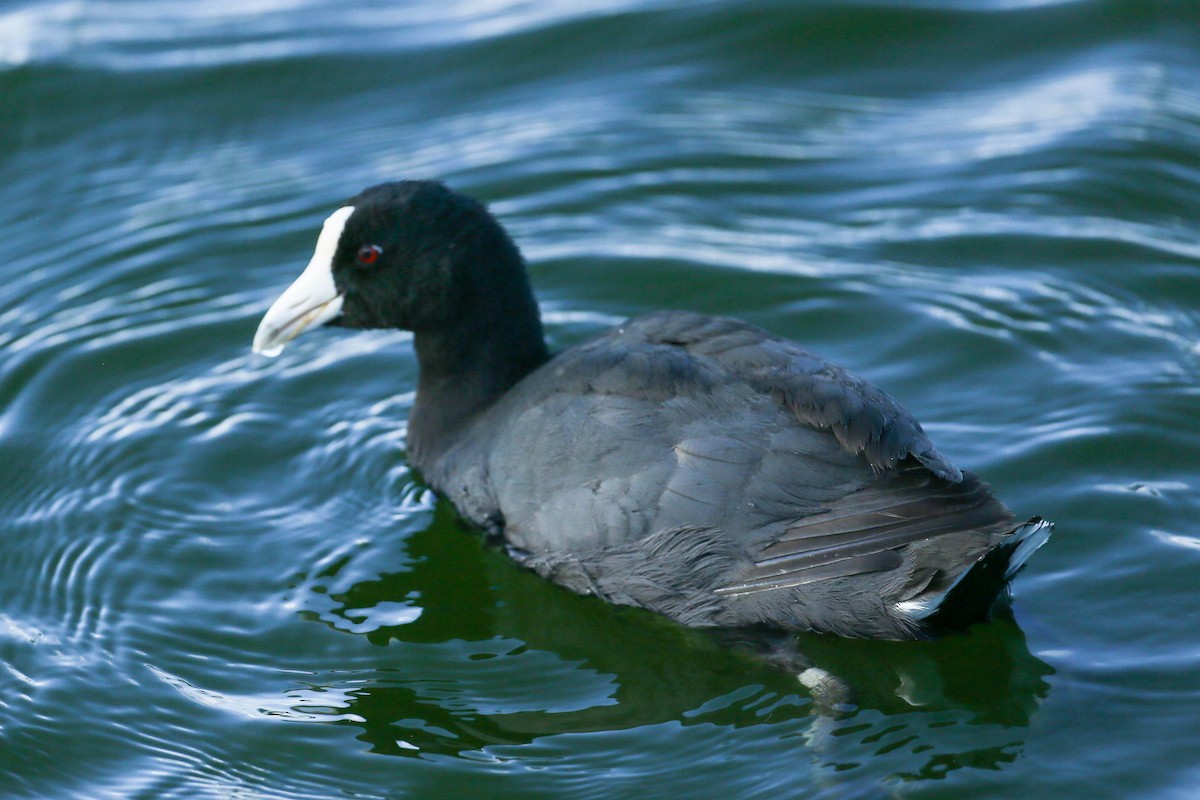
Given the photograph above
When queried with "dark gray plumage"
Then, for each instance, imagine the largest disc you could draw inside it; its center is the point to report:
(693, 465)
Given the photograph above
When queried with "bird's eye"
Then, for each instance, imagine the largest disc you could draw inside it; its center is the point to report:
(369, 254)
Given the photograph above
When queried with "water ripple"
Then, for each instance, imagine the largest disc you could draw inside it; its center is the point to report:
(203, 547)
(149, 35)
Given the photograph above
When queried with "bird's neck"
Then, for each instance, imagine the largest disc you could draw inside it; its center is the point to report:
(464, 370)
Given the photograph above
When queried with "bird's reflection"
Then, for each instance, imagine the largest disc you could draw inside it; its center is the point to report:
(569, 664)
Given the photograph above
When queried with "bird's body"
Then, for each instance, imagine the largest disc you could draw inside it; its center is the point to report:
(693, 465)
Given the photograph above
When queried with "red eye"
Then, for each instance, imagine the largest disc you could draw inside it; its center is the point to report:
(369, 254)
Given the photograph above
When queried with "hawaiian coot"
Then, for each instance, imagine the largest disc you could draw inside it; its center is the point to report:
(696, 466)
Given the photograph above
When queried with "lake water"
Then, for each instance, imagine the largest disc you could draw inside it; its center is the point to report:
(219, 577)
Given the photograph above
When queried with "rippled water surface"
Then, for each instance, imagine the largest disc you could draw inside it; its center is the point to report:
(219, 576)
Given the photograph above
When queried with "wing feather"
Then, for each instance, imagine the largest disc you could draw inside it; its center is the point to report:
(907, 506)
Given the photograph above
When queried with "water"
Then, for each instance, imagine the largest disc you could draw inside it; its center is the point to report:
(220, 578)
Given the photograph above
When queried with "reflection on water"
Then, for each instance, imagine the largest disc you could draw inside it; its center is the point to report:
(845, 700)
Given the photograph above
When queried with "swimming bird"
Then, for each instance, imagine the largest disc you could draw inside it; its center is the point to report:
(693, 465)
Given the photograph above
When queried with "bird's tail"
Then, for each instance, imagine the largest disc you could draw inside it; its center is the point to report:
(972, 595)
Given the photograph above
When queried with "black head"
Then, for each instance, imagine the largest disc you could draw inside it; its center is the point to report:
(412, 255)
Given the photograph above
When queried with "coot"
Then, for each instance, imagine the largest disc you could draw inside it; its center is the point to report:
(696, 466)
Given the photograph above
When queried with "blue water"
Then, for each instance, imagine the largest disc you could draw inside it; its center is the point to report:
(219, 576)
